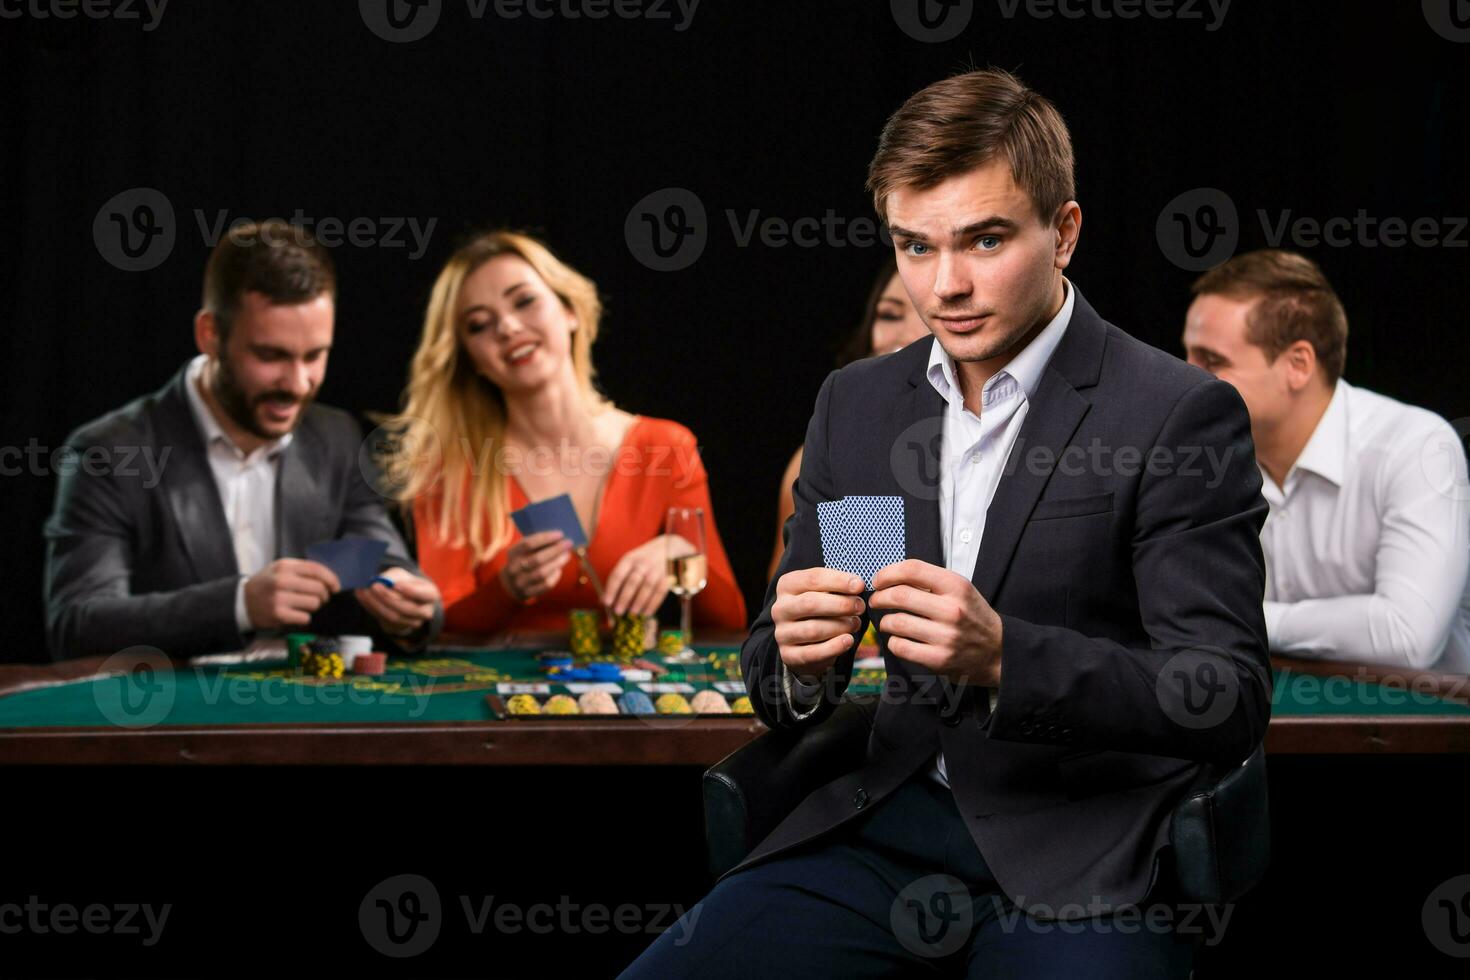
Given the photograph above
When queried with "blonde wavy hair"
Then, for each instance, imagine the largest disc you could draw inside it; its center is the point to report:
(453, 418)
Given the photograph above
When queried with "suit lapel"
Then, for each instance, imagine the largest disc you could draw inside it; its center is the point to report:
(193, 496)
(1052, 418)
(298, 496)
(915, 429)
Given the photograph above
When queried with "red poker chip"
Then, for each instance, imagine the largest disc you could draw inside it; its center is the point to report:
(370, 663)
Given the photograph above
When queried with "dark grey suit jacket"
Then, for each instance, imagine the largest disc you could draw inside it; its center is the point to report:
(133, 559)
(1130, 587)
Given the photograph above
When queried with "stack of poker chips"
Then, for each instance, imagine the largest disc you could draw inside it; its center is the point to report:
(585, 640)
(671, 642)
(372, 664)
(296, 644)
(523, 704)
(627, 638)
(321, 658)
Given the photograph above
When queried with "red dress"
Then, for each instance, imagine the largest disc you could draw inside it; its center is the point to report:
(656, 467)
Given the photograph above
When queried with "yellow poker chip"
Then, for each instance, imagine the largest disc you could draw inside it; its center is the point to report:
(560, 704)
(523, 704)
(672, 704)
(741, 706)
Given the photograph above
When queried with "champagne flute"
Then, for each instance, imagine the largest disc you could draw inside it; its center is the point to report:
(688, 567)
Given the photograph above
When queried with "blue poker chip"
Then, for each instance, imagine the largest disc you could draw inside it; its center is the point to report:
(610, 672)
(635, 703)
(556, 659)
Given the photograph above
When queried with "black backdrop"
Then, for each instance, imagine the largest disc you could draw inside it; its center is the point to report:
(563, 125)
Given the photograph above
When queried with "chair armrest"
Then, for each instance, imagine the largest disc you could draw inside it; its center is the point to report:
(750, 791)
(1222, 835)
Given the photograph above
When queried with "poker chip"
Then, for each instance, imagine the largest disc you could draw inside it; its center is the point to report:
(672, 704)
(371, 664)
(523, 704)
(635, 703)
(628, 636)
(583, 637)
(321, 658)
(741, 706)
(710, 702)
(597, 703)
(671, 642)
(560, 704)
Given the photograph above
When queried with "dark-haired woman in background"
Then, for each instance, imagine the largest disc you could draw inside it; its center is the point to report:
(889, 323)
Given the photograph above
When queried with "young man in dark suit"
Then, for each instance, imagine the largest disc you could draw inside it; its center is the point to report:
(203, 551)
(1074, 640)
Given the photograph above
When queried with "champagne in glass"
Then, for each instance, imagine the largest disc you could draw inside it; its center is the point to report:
(688, 567)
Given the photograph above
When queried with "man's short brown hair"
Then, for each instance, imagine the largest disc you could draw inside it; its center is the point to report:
(1294, 302)
(964, 122)
(283, 262)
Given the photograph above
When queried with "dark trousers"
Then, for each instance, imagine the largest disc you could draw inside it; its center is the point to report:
(902, 891)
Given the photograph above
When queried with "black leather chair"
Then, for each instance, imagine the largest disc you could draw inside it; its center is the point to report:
(1220, 835)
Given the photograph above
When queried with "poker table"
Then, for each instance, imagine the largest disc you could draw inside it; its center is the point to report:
(449, 707)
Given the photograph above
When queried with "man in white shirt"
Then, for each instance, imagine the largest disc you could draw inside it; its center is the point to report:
(1367, 543)
(207, 554)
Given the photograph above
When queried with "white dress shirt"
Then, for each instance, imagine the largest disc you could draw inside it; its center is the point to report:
(1367, 545)
(973, 453)
(247, 489)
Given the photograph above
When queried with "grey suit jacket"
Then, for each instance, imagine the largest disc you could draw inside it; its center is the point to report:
(139, 555)
(1129, 583)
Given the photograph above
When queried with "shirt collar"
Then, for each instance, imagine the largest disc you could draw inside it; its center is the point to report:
(1326, 451)
(209, 426)
(1025, 369)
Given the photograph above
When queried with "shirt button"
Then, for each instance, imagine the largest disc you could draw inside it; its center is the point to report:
(860, 800)
(974, 457)
(966, 535)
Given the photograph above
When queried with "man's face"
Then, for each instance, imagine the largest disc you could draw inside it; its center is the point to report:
(273, 362)
(979, 264)
(1215, 340)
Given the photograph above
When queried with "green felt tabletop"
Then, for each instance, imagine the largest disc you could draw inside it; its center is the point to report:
(456, 684)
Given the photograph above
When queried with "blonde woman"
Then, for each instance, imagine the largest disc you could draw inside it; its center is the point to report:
(501, 410)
